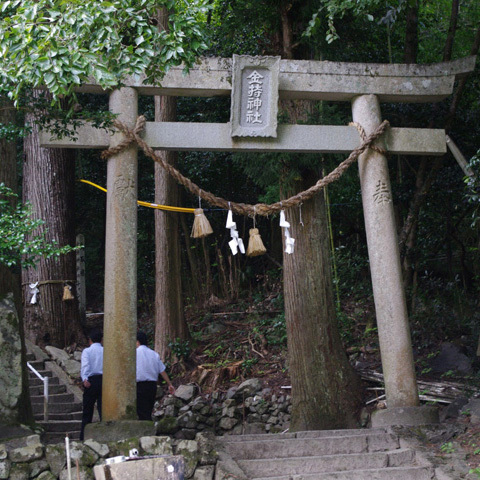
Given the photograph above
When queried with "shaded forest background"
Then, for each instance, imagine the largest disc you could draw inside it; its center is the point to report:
(440, 256)
(436, 208)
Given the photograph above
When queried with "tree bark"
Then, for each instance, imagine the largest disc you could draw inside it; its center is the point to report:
(169, 317)
(411, 34)
(48, 184)
(9, 282)
(447, 51)
(326, 392)
(194, 289)
(9, 279)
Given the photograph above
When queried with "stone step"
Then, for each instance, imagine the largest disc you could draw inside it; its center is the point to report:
(327, 463)
(43, 373)
(59, 416)
(391, 473)
(60, 426)
(35, 381)
(67, 407)
(36, 390)
(306, 434)
(64, 412)
(315, 446)
(59, 437)
(30, 357)
(38, 365)
(56, 398)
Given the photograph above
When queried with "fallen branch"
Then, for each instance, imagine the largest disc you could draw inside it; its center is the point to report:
(253, 347)
(262, 312)
(442, 392)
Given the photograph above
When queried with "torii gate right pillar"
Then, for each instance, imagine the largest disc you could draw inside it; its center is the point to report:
(383, 252)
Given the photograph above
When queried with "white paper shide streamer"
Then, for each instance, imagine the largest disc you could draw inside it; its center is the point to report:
(34, 290)
(236, 243)
(289, 241)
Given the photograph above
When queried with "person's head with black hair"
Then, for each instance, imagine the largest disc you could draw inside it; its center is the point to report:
(141, 337)
(95, 335)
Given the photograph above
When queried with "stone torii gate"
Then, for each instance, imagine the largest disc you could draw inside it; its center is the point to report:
(365, 86)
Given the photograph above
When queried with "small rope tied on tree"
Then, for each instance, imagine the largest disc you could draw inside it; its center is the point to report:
(243, 208)
(35, 291)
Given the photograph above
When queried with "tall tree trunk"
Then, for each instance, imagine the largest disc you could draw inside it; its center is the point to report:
(10, 280)
(194, 289)
(169, 318)
(447, 51)
(326, 392)
(411, 34)
(48, 184)
(8, 176)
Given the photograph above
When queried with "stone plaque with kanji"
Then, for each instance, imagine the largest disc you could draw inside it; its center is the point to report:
(254, 96)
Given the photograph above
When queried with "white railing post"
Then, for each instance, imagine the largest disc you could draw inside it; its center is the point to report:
(45, 391)
(45, 399)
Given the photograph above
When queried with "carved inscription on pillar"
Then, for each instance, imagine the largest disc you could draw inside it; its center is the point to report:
(124, 184)
(382, 193)
(254, 96)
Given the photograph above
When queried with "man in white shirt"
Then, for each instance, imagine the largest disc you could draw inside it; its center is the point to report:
(91, 372)
(149, 368)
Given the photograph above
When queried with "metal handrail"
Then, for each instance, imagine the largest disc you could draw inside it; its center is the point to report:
(45, 391)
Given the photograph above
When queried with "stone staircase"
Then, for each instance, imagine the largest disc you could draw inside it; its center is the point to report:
(368, 454)
(64, 408)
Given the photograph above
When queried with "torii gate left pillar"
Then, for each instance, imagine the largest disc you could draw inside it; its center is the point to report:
(120, 303)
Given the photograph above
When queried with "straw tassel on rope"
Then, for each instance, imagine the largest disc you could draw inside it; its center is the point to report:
(255, 244)
(201, 226)
(67, 293)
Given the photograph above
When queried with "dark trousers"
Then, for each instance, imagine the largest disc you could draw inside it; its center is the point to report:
(146, 392)
(90, 396)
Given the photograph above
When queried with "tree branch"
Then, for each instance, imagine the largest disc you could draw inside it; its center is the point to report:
(447, 52)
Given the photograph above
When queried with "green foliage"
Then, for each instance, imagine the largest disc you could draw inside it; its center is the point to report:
(273, 329)
(333, 10)
(214, 352)
(16, 225)
(472, 183)
(346, 326)
(353, 271)
(475, 470)
(248, 364)
(447, 447)
(12, 132)
(60, 44)
(180, 348)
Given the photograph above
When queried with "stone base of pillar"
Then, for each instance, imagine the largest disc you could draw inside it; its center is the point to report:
(115, 431)
(406, 416)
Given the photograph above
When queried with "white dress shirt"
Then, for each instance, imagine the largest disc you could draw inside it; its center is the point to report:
(92, 361)
(149, 365)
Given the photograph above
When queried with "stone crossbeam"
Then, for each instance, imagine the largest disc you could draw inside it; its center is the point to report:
(315, 80)
(291, 138)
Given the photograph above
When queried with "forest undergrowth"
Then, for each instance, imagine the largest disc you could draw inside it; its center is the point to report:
(235, 340)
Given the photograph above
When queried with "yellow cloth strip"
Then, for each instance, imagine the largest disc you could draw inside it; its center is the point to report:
(146, 204)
